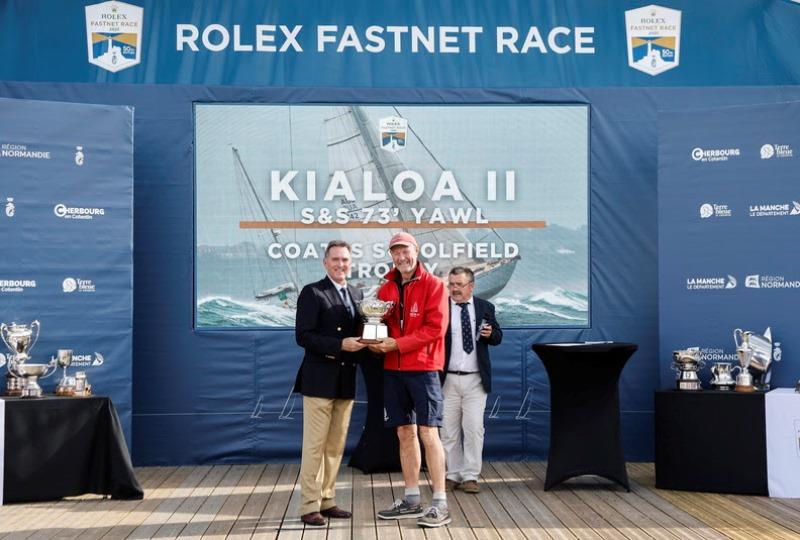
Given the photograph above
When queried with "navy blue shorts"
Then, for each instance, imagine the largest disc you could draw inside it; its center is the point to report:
(412, 397)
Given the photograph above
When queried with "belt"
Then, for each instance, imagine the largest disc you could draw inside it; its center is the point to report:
(462, 372)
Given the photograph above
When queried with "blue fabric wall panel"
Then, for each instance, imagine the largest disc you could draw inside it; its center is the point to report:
(178, 370)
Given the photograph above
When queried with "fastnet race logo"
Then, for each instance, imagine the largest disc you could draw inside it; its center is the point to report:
(74, 212)
(708, 155)
(114, 35)
(757, 281)
(709, 210)
(775, 209)
(768, 151)
(710, 283)
(653, 38)
(393, 131)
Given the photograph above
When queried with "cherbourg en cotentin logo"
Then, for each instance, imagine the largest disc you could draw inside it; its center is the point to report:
(114, 35)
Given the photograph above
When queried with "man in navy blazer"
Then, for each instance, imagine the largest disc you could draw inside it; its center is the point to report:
(325, 326)
(466, 379)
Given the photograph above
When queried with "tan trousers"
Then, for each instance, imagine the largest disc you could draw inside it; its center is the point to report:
(325, 423)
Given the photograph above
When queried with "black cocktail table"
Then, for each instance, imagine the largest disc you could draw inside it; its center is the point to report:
(585, 435)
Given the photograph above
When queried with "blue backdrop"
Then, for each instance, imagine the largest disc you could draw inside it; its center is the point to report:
(729, 219)
(223, 396)
(66, 182)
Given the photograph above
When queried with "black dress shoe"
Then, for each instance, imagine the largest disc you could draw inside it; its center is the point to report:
(336, 513)
(314, 519)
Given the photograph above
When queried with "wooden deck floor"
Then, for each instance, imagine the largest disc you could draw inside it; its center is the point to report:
(260, 501)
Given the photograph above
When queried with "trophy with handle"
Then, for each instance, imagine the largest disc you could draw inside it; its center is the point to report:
(744, 354)
(20, 338)
(64, 360)
(373, 311)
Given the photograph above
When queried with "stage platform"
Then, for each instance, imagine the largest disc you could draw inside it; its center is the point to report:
(260, 501)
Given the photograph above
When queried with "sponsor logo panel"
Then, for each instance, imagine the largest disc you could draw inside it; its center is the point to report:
(22, 151)
(779, 209)
(768, 151)
(84, 359)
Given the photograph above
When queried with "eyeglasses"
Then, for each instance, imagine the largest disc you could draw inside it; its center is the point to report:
(458, 285)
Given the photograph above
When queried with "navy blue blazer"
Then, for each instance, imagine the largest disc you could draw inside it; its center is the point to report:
(483, 310)
(322, 322)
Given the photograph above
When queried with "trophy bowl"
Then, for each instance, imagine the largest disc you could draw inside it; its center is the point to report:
(744, 380)
(373, 311)
(30, 373)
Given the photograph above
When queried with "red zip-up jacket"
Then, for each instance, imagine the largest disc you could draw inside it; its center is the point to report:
(420, 341)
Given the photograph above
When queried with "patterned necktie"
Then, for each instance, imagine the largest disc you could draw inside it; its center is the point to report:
(346, 301)
(466, 329)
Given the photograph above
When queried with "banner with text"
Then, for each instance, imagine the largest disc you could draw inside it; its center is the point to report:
(502, 190)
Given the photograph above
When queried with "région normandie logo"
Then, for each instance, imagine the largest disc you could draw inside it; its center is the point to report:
(114, 35)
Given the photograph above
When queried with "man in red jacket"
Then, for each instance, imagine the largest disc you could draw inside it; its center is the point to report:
(412, 391)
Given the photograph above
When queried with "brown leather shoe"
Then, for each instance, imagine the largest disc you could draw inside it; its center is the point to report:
(470, 486)
(336, 513)
(313, 519)
(451, 485)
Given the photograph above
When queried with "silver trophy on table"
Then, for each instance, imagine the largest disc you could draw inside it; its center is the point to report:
(20, 339)
(373, 311)
(66, 386)
(687, 362)
(758, 348)
(723, 376)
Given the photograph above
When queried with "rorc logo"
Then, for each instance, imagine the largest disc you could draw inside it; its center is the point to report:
(73, 212)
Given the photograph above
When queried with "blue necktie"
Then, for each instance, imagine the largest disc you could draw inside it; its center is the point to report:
(466, 329)
(346, 301)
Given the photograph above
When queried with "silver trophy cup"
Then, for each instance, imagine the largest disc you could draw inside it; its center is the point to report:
(744, 381)
(373, 310)
(20, 338)
(723, 375)
(64, 359)
(687, 362)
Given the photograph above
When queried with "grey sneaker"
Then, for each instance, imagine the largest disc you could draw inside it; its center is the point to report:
(400, 509)
(434, 517)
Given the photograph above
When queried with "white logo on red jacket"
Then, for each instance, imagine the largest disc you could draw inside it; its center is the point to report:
(414, 311)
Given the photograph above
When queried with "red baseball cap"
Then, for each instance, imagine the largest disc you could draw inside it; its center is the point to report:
(402, 239)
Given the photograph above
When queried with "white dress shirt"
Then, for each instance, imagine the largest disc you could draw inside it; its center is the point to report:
(460, 360)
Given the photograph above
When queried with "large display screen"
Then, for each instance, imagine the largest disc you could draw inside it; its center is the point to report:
(502, 190)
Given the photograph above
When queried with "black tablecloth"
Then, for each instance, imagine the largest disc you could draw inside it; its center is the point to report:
(378, 449)
(57, 447)
(585, 435)
(711, 441)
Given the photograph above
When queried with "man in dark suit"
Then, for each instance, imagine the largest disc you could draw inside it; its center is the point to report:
(466, 379)
(326, 320)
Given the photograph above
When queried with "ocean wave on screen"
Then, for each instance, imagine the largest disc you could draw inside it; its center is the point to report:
(223, 311)
(553, 307)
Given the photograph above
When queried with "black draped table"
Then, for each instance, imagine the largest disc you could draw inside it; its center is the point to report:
(585, 435)
(712, 441)
(378, 448)
(58, 447)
